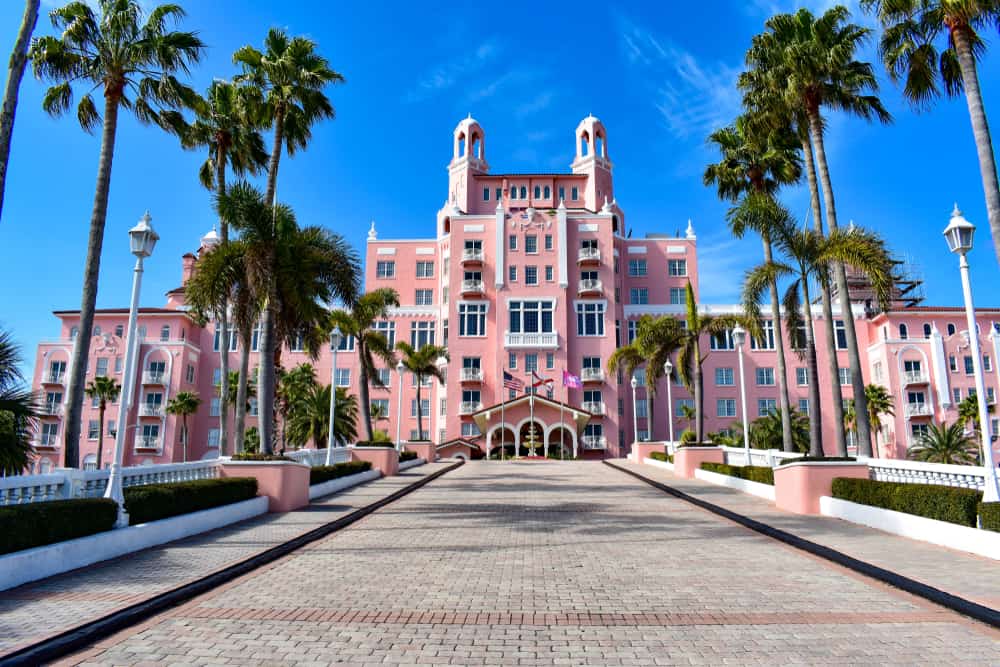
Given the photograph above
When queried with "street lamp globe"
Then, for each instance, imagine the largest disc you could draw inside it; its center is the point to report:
(739, 335)
(959, 233)
(668, 369)
(336, 337)
(400, 367)
(634, 382)
(142, 238)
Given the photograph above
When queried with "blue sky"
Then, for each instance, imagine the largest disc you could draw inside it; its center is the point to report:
(660, 78)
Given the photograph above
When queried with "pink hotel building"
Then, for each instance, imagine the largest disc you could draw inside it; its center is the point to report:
(526, 272)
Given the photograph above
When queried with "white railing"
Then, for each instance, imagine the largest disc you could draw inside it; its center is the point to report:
(52, 409)
(46, 441)
(469, 407)
(918, 472)
(590, 285)
(472, 255)
(153, 377)
(914, 377)
(150, 410)
(317, 457)
(592, 374)
(473, 286)
(736, 456)
(472, 374)
(918, 410)
(549, 340)
(54, 378)
(588, 254)
(594, 407)
(594, 442)
(21, 489)
(147, 442)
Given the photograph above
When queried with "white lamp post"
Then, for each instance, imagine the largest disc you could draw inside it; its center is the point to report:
(959, 233)
(335, 339)
(400, 368)
(635, 410)
(740, 337)
(442, 365)
(668, 370)
(142, 239)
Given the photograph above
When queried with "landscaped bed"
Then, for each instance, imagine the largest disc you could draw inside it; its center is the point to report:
(321, 474)
(407, 456)
(661, 456)
(759, 474)
(160, 501)
(942, 503)
(38, 524)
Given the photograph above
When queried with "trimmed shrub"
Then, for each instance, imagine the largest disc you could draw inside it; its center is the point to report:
(989, 516)
(759, 474)
(944, 503)
(254, 456)
(825, 459)
(374, 443)
(161, 501)
(321, 474)
(38, 524)
(688, 436)
(407, 456)
(661, 456)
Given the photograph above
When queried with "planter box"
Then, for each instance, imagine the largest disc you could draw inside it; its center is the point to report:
(666, 465)
(341, 483)
(383, 459)
(688, 459)
(765, 491)
(412, 463)
(642, 450)
(425, 450)
(799, 486)
(285, 483)
(973, 540)
(21, 567)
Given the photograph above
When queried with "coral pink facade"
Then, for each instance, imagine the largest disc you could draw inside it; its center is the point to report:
(525, 272)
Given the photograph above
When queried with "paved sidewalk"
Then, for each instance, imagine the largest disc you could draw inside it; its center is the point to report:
(49, 606)
(966, 575)
(542, 563)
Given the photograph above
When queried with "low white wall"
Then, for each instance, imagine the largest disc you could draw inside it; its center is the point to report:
(982, 542)
(412, 463)
(765, 491)
(21, 567)
(659, 464)
(341, 483)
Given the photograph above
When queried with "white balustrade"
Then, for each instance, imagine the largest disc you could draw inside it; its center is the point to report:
(592, 374)
(52, 409)
(54, 378)
(472, 255)
(471, 374)
(150, 410)
(153, 377)
(736, 456)
(473, 287)
(918, 410)
(914, 377)
(594, 442)
(317, 457)
(594, 407)
(469, 407)
(918, 472)
(22, 489)
(588, 255)
(544, 340)
(590, 285)
(147, 442)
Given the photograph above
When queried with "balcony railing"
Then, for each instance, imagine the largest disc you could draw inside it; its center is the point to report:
(147, 442)
(154, 377)
(914, 377)
(46, 441)
(588, 255)
(918, 410)
(472, 255)
(469, 407)
(594, 407)
(473, 287)
(592, 375)
(594, 442)
(150, 410)
(472, 374)
(542, 340)
(54, 378)
(52, 409)
(590, 285)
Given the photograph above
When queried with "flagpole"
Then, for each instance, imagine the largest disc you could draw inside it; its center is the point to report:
(531, 425)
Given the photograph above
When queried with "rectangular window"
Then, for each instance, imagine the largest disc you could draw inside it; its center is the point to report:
(845, 376)
(233, 340)
(342, 377)
(486, 194)
(164, 333)
(498, 193)
(422, 333)
(969, 366)
(639, 295)
(297, 344)
(987, 363)
(380, 410)
(512, 242)
(118, 365)
(841, 334)
(562, 193)
(550, 360)
(472, 319)
(957, 395)
(802, 376)
(214, 437)
(765, 406)
(215, 407)
(102, 367)
(724, 377)
(725, 407)
(531, 275)
(112, 431)
(425, 269)
(632, 326)
(385, 269)
(530, 363)
(637, 267)
(388, 331)
(383, 377)
(531, 316)
(991, 396)
(953, 363)
(677, 267)
(189, 375)
(722, 341)
(804, 406)
(877, 371)
(425, 407)
(346, 344)
(217, 376)
(641, 408)
(425, 297)
(549, 275)
(677, 296)
(512, 274)
(640, 376)
(682, 405)
(93, 429)
(589, 319)
(470, 430)
(531, 244)
(765, 377)
(548, 241)
(511, 361)
(766, 341)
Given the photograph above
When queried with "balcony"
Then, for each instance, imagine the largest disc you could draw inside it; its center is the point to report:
(154, 377)
(469, 407)
(150, 410)
(914, 377)
(472, 256)
(146, 442)
(53, 378)
(46, 441)
(52, 410)
(918, 410)
(594, 442)
(588, 256)
(590, 286)
(472, 375)
(536, 340)
(473, 287)
(592, 375)
(594, 407)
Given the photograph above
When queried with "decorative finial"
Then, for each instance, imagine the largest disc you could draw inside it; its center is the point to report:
(689, 232)
(607, 207)
(372, 234)
(956, 212)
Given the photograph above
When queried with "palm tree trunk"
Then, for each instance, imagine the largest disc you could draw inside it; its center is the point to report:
(239, 418)
(981, 131)
(184, 434)
(698, 395)
(91, 271)
(100, 434)
(220, 182)
(786, 414)
(272, 168)
(18, 60)
(265, 379)
(420, 413)
(815, 408)
(862, 427)
(363, 390)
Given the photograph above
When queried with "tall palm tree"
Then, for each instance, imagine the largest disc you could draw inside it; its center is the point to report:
(290, 77)
(223, 125)
(756, 160)
(807, 256)
(184, 404)
(813, 59)
(945, 444)
(880, 403)
(913, 30)
(293, 387)
(310, 417)
(134, 63)
(18, 60)
(105, 390)
(656, 341)
(370, 345)
(423, 363)
(19, 411)
(968, 411)
(291, 271)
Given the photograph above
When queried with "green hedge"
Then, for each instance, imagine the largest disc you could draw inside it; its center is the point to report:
(160, 501)
(759, 474)
(661, 456)
(822, 459)
(38, 524)
(944, 503)
(374, 443)
(989, 515)
(321, 474)
(407, 456)
(254, 456)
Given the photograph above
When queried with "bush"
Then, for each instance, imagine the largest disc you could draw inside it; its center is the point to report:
(759, 474)
(989, 516)
(374, 443)
(661, 456)
(944, 503)
(38, 524)
(407, 456)
(160, 501)
(688, 436)
(817, 458)
(254, 456)
(321, 474)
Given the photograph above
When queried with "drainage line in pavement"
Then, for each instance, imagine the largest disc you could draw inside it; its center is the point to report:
(963, 606)
(83, 635)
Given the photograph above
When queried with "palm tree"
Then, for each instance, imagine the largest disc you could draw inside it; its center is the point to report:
(423, 363)
(310, 417)
(293, 387)
(688, 414)
(756, 160)
(18, 411)
(357, 322)
(813, 61)
(945, 444)
(105, 390)
(880, 403)
(909, 48)
(183, 404)
(115, 51)
(968, 411)
(378, 412)
(18, 60)
(767, 432)
(656, 340)
(808, 255)
(224, 125)
(289, 77)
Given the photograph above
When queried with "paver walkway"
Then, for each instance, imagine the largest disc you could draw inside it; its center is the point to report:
(36, 610)
(549, 563)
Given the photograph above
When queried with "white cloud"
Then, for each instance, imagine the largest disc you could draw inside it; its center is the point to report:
(446, 75)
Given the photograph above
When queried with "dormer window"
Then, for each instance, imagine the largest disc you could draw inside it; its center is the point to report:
(903, 332)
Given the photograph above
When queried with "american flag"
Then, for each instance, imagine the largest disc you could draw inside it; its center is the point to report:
(511, 382)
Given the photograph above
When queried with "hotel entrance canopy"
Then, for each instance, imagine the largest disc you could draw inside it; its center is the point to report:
(550, 422)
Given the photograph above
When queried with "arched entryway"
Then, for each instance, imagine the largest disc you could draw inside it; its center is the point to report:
(560, 441)
(531, 436)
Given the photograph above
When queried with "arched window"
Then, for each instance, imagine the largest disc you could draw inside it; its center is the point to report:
(97, 331)
(476, 146)
(548, 192)
(74, 332)
(927, 330)
(538, 192)
(903, 334)
(461, 145)
(599, 149)
(524, 192)
(951, 329)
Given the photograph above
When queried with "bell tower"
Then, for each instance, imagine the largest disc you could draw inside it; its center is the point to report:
(592, 159)
(468, 158)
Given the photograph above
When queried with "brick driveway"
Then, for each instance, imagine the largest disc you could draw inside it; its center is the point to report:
(550, 563)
